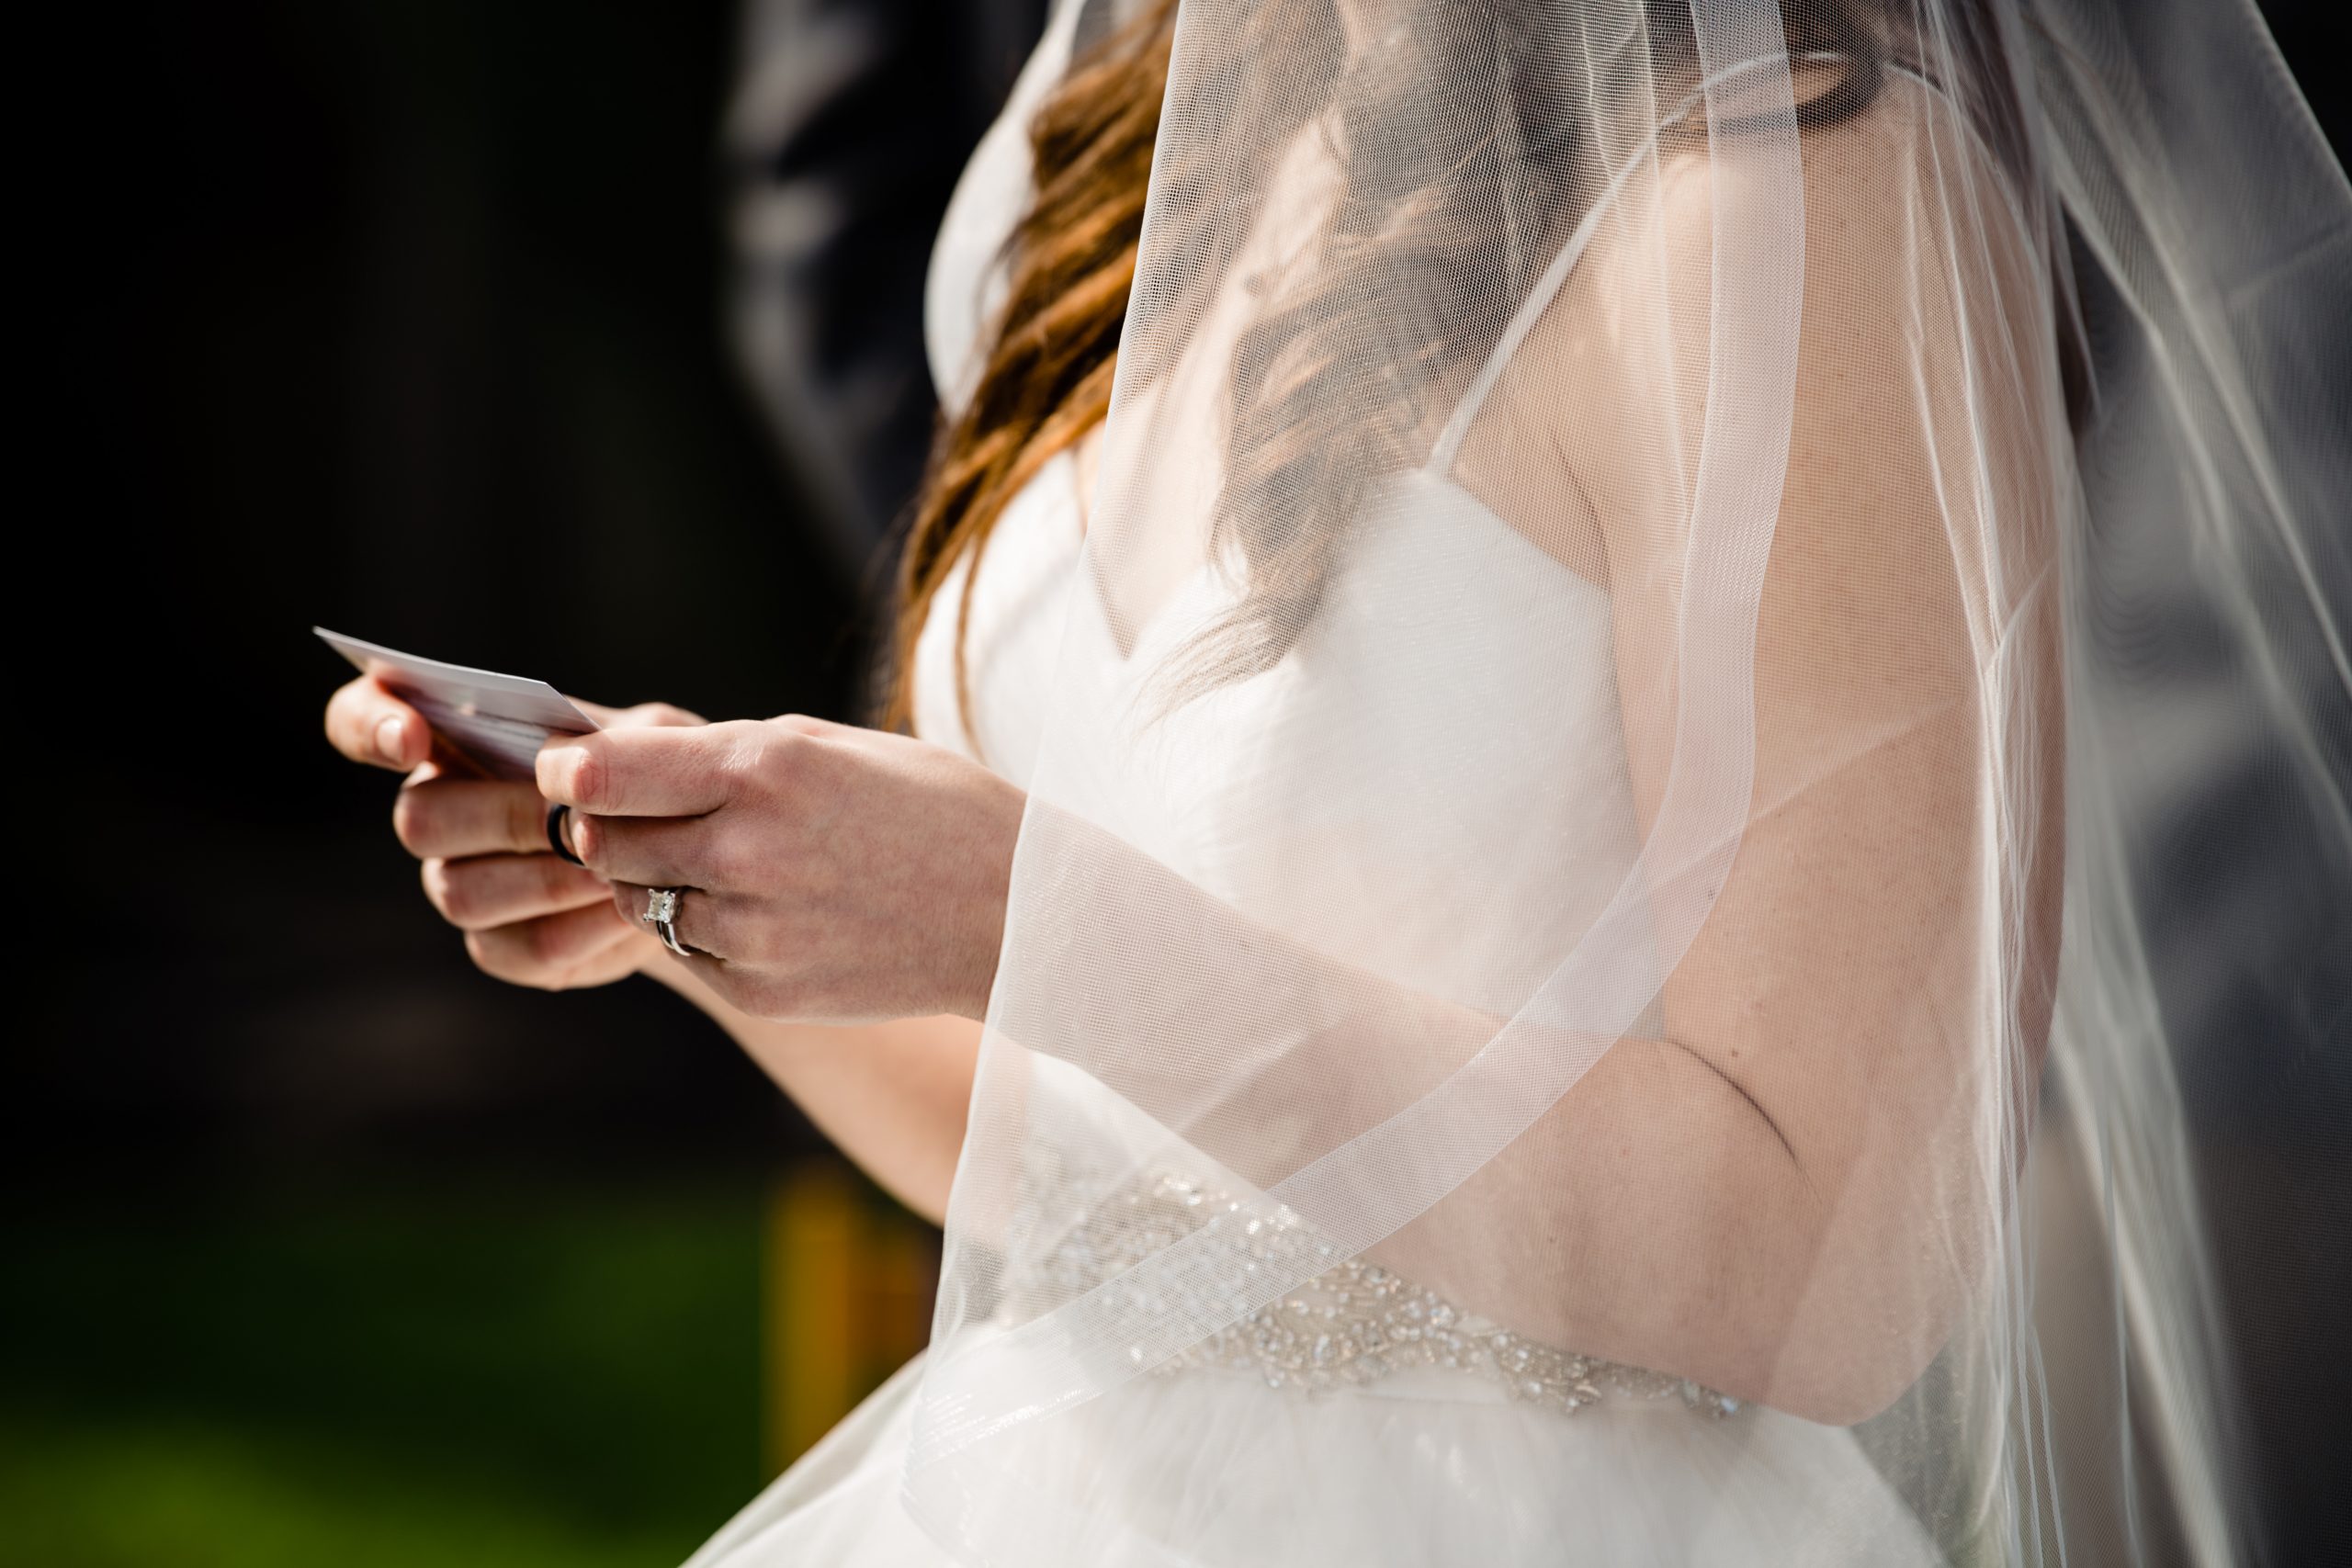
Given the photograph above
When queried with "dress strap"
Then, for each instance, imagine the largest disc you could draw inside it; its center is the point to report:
(1539, 299)
(1530, 311)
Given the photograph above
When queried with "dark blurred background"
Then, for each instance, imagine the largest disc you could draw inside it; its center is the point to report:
(483, 328)
(420, 320)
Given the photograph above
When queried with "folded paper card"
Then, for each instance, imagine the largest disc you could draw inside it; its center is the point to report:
(496, 721)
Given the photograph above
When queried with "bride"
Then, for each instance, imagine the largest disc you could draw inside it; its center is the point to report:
(1497, 896)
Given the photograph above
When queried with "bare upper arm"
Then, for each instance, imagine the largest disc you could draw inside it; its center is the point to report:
(1886, 935)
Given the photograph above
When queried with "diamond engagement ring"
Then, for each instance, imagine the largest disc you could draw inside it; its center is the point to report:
(661, 914)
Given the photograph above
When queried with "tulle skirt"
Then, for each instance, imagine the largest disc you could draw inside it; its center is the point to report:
(1424, 1468)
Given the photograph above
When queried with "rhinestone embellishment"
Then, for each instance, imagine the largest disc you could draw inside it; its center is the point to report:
(1354, 1321)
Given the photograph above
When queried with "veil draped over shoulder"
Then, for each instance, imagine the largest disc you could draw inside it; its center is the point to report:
(1659, 570)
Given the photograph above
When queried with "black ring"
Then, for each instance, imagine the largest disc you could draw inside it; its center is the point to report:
(555, 813)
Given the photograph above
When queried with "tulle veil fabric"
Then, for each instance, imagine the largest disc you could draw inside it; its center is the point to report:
(1740, 455)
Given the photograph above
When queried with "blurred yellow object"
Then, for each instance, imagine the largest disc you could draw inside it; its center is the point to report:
(847, 1278)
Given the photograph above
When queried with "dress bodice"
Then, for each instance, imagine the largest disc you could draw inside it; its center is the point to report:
(1518, 786)
(1508, 827)
(1517, 796)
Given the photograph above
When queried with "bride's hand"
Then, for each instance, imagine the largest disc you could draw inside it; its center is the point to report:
(835, 874)
(529, 919)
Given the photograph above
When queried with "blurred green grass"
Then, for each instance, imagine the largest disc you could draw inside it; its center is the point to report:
(504, 1375)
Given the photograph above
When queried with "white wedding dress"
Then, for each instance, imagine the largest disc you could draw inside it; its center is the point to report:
(1432, 1437)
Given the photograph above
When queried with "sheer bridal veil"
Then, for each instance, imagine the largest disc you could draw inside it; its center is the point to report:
(1661, 572)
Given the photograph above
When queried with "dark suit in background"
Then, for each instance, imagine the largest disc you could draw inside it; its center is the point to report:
(850, 122)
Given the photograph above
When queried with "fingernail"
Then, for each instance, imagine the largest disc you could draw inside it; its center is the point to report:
(392, 738)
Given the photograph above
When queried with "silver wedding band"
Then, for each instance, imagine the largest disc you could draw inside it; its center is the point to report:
(661, 914)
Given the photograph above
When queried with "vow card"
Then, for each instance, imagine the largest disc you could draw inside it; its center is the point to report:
(497, 721)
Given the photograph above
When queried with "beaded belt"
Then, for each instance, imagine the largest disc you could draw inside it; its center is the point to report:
(1352, 1324)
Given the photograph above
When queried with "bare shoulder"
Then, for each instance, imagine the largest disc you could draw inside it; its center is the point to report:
(1918, 288)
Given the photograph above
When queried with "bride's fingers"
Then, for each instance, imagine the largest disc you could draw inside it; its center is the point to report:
(659, 771)
(367, 724)
(499, 890)
(701, 922)
(551, 950)
(623, 955)
(652, 851)
(644, 715)
(451, 817)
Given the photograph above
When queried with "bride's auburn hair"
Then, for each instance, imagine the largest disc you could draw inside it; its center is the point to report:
(1046, 378)
(1413, 208)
